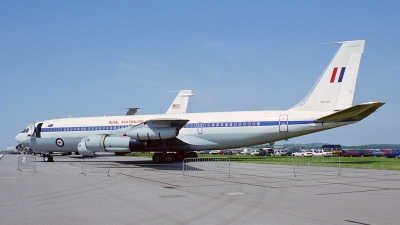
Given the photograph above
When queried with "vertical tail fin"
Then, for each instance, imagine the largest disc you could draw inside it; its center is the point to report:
(335, 88)
(179, 105)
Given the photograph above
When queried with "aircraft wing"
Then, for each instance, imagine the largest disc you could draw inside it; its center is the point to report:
(166, 122)
(354, 113)
(153, 129)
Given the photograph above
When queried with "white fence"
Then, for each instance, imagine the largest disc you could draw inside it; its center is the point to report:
(96, 165)
(206, 165)
(304, 164)
(27, 162)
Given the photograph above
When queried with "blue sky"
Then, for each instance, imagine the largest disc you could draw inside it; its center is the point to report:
(91, 58)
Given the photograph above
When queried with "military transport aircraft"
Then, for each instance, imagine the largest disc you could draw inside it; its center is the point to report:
(175, 136)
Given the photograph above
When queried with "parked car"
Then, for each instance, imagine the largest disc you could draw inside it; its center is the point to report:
(266, 152)
(254, 152)
(228, 152)
(350, 153)
(302, 153)
(222, 152)
(378, 153)
(245, 151)
(365, 153)
(393, 154)
(279, 152)
(207, 151)
(321, 153)
(284, 152)
(291, 151)
(335, 149)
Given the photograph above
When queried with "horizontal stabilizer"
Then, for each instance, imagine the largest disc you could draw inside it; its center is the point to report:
(354, 113)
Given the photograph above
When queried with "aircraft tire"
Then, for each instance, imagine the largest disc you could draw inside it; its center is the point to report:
(192, 155)
(169, 157)
(158, 158)
(180, 156)
(48, 158)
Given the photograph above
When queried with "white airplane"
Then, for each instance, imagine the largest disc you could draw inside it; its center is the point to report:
(176, 136)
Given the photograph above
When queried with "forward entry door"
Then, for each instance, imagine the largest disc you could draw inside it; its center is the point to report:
(31, 128)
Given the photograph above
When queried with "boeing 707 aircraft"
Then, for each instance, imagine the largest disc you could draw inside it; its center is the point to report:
(176, 136)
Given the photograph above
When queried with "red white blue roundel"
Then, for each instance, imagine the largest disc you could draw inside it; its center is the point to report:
(59, 142)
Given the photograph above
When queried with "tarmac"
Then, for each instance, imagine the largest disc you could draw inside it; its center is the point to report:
(140, 192)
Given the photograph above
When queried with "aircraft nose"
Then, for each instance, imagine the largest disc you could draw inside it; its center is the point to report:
(20, 138)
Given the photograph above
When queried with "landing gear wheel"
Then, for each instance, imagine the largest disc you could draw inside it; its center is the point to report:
(192, 155)
(158, 158)
(169, 157)
(180, 156)
(48, 158)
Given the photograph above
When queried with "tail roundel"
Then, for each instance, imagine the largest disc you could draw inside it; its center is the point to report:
(334, 90)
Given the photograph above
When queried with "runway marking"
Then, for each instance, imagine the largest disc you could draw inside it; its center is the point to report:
(358, 191)
(351, 221)
(234, 193)
(171, 196)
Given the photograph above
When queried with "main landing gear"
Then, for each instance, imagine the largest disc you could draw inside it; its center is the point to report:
(173, 157)
(47, 158)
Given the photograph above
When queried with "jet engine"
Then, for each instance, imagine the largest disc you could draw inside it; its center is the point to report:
(82, 150)
(104, 143)
(145, 134)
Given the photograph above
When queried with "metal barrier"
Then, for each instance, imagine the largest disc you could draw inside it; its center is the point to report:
(27, 162)
(210, 165)
(96, 165)
(316, 164)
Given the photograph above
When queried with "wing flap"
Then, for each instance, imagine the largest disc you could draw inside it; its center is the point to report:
(354, 113)
(166, 122)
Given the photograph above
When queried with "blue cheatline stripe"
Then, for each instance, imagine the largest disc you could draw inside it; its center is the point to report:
(91, 128)
(188, 125)
(341, 74)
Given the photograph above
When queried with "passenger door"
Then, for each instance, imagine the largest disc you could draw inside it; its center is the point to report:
(283, 123)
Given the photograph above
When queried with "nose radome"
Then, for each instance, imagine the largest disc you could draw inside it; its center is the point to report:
(20, 138)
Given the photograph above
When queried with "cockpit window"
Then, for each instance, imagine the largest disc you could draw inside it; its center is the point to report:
(25, 130)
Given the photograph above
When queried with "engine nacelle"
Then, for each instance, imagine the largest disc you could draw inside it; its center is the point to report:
(82, 150)
(145, 134)
(104, 143)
